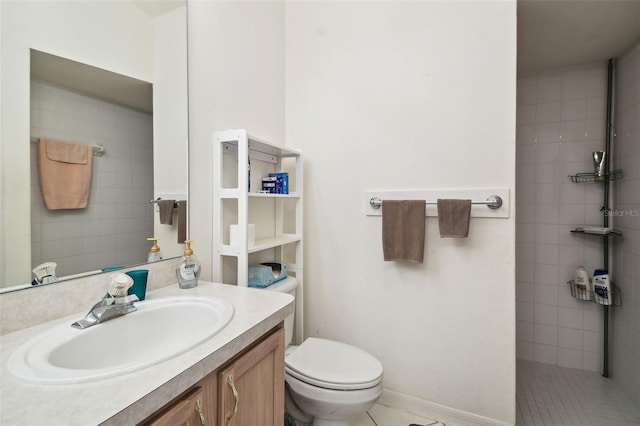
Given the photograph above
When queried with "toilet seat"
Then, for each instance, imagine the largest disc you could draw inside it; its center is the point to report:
(333, 365)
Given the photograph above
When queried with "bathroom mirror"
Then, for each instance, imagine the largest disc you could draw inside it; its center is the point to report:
(62, 78)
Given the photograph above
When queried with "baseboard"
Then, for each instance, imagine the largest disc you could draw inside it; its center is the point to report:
(432, 410)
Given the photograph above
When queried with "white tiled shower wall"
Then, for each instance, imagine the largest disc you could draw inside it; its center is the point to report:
(560, 121)
(626, 252)
(112, 230)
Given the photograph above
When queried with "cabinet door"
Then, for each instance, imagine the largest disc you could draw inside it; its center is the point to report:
(196, 408)
(251, 388)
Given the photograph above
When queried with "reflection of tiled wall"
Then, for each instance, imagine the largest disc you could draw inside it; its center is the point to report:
(112, 230)
(626, 251)
(560, 121)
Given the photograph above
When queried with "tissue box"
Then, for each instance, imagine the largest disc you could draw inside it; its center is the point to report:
(251, 235)
(260, 276)
(266, 274)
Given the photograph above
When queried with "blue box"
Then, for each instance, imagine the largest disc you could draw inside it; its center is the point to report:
(282, 182)
(269, 184)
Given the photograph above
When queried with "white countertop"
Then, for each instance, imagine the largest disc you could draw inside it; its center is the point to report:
(130, 398)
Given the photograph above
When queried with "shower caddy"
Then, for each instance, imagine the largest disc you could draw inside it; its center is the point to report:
(605, 232)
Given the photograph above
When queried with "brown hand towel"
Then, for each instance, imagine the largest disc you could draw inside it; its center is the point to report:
(166, 211)
(182, 221)
(65, 174)
(453, 218)
(403, 226)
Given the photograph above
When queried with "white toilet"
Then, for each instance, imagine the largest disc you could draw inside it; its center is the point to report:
(327, 382)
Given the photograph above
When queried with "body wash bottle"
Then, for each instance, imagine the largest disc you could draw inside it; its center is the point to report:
(188, 269)
(154, 254)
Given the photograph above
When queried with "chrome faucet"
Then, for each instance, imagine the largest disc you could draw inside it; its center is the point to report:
(108, 308)
(114, 304)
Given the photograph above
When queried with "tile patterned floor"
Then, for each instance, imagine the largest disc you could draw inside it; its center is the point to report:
(381, 415)
(548, 395)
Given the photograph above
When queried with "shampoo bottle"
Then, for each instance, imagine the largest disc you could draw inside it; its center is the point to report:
(602, 287)
(154, 254)
(188, 269)
(581, 279)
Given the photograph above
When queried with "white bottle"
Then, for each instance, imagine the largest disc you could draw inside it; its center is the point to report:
(602, 287)
(581, 280)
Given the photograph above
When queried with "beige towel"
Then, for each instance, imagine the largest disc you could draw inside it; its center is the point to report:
(65, 174)
(403, 227)
(453, 218)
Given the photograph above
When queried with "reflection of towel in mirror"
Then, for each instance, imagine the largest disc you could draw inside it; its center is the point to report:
(166, 211)
(182, 221)
(65, 174)
(403, 230)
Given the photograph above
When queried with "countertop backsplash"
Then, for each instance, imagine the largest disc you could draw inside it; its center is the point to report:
(26, 308)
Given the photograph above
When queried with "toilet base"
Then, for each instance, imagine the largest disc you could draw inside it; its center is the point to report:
(324, 407)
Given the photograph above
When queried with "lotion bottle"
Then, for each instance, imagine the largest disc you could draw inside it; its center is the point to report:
(188, 269)
(581, 279)
(154, 254)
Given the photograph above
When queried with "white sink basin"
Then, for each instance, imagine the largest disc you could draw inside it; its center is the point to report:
(160, 329)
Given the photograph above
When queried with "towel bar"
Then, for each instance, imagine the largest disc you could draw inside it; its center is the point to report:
(492, 201)
(98, 150)
(175, 204)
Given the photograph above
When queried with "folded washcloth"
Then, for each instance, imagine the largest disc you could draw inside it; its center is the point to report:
(453, 218)
(403, 229)
(166, 211)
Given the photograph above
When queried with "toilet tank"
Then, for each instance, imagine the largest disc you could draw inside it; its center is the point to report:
(288, 285)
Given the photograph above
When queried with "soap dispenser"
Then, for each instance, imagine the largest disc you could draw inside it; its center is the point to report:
(188, 269)
(154, 254)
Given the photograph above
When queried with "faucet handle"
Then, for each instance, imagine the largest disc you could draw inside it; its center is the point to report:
(126, 299)
(119, 284)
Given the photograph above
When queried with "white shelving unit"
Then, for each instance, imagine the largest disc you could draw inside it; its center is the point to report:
(237, 199)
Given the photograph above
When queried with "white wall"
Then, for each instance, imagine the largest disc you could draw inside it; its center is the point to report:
(81, 31)
(379, 95)
(625, 341)
(561, 121)
(236, 80)
(409, 95)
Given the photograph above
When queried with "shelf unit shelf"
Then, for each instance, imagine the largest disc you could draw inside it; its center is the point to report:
(292, 195)
(261, 244)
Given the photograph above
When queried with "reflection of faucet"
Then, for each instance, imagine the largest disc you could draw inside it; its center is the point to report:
(108, 308)
(45, 273)
(114, 304)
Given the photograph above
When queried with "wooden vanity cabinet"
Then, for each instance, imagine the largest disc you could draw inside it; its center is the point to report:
(195, 407)
(246, 391)
(251, 387)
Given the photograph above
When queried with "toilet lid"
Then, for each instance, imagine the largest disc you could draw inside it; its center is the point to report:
(333, 365)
